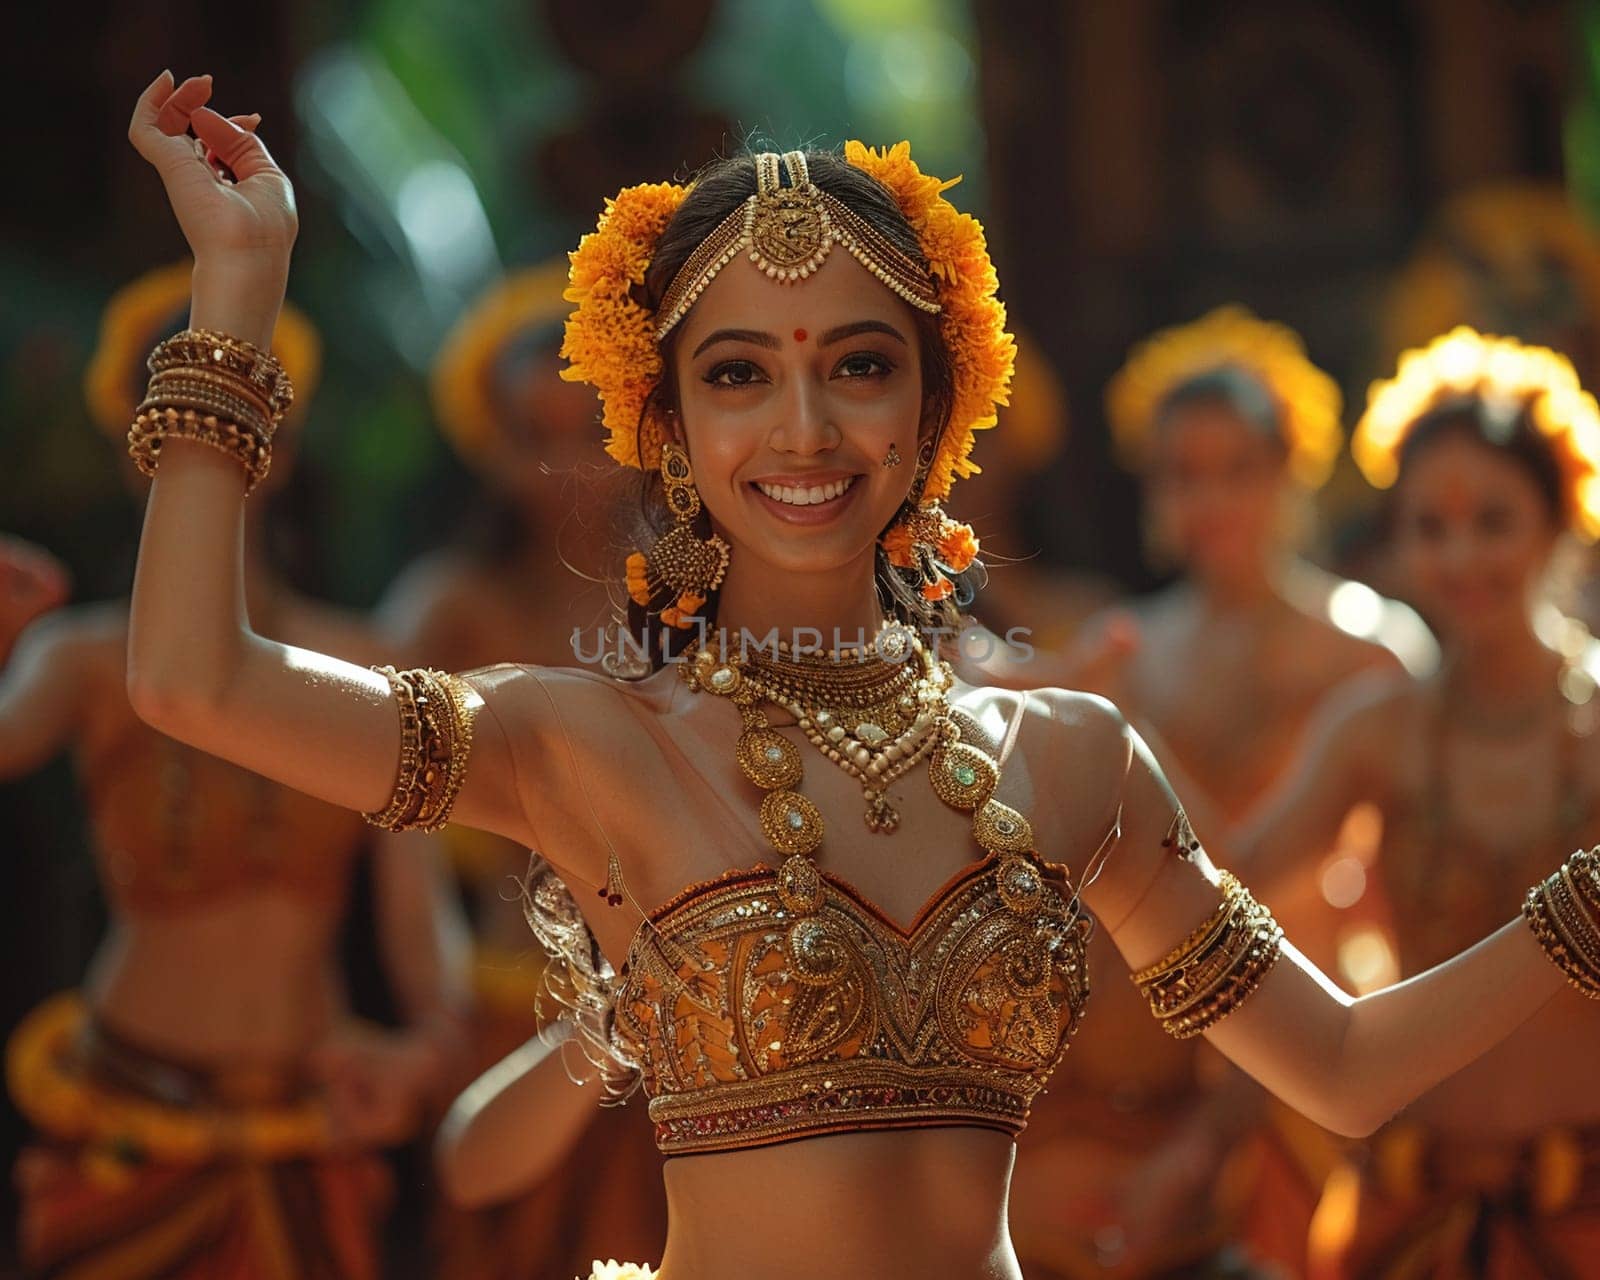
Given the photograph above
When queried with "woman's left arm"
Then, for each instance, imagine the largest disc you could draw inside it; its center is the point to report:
(1214, 963)
(515, 1124)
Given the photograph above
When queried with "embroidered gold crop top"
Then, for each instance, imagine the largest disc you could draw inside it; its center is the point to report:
(766, 1005)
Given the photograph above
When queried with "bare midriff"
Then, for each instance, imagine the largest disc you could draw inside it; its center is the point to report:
(915, 1202)
(242, 981)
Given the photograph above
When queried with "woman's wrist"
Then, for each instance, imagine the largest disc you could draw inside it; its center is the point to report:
(239, 296)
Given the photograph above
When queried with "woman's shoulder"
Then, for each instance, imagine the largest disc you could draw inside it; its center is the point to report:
(1355, 627)
(1086, 727)
(579, 695)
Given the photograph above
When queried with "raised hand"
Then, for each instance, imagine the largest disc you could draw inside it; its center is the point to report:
(252, 214)
(235, 206)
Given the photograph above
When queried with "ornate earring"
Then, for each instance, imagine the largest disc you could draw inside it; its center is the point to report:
(892, 458)
(933, 546)
(681, 563)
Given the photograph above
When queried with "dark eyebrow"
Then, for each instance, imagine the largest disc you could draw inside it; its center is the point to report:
(861, 326)
(753, 336)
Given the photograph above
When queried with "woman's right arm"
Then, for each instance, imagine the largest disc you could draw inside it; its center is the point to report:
(196, 670)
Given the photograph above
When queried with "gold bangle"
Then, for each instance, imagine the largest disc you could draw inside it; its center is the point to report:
(153, 427)
(436, 713)
(228, 408)
(1563, 911)
(174, 385)
(217, 391)
(1216, 968)
(220, 377)
(206, 348)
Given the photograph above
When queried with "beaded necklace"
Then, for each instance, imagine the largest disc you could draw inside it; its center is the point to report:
(827, 692)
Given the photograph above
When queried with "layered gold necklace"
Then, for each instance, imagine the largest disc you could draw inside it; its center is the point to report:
(875, 718)
(874, 711)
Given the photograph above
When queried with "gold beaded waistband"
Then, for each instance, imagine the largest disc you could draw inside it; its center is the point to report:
(807, 1102)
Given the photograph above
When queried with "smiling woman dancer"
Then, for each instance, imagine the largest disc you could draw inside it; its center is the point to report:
(895, 991)
(1480, 773)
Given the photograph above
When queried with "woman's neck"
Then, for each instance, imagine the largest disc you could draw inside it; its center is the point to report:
(1243, 588)
(831, 607)
(1509, 667)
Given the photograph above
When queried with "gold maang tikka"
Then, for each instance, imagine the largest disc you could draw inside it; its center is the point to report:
(681, 562)
(788, 233)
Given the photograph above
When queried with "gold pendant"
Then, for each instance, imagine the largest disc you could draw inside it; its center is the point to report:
(882, 817)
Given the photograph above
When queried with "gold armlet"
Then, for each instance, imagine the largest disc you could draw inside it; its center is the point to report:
(214, 390)
(1564, 913)
(1216, 968)
(436, 712)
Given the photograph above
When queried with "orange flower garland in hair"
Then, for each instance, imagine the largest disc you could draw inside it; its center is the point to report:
(1231, 337)
(610, 339)
(1506, 375)
(971, 316)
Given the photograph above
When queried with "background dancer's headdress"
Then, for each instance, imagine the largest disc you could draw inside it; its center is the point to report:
(1307, 400)
(520, 308)
(612, 338)
(1512, 381)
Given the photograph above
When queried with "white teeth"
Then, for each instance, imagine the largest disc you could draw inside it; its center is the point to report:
(808, 496)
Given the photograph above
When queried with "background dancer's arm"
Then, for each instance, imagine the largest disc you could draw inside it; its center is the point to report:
(378, 1083)
(1347, 1063)
(427, 956)
(1340, 764)
(45, 655)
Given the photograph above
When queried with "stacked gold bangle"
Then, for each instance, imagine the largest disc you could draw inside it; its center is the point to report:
(436, 712)
(214, 390)
(1216, 968)
(1564, 913)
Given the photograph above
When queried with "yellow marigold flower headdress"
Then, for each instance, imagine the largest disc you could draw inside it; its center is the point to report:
(612, 340)
(1510, 256)
(156, 304)
(1507, 375)
(463, 373)
(1308, 400)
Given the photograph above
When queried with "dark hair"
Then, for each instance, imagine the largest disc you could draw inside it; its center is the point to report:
(716, 191)
(1512, 434)
(1235, 389)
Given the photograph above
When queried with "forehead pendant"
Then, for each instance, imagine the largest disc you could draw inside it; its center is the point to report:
(787, 232)
(787, 227)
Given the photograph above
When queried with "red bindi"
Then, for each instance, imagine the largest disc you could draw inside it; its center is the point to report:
(799, 335)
